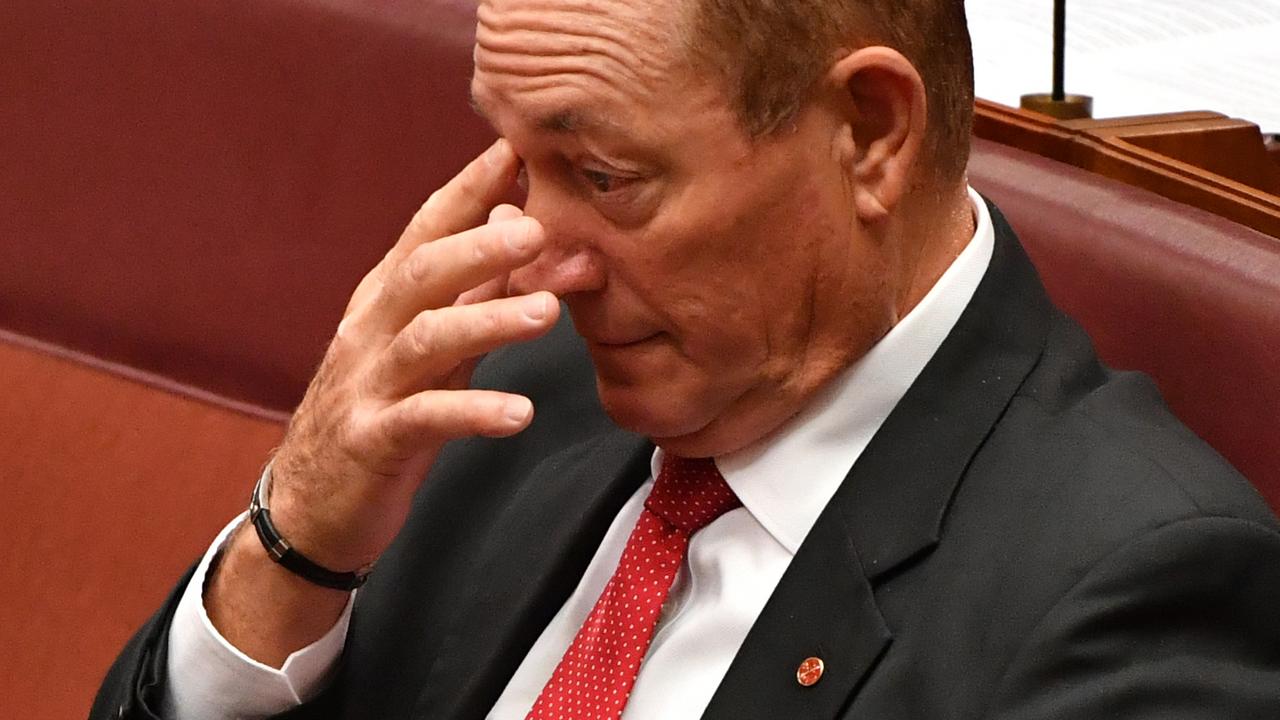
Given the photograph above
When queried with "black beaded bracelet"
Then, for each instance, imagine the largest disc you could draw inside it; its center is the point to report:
(283, 553)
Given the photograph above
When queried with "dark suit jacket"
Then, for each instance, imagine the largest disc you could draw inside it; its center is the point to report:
(1029, 535)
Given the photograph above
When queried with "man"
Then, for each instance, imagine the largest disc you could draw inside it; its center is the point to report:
(891, 481)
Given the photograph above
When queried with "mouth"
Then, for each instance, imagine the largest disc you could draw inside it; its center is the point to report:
(620, 342)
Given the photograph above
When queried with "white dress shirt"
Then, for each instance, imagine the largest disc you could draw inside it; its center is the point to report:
(732, 567)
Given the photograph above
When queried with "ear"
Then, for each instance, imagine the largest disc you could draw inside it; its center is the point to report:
(884, 107)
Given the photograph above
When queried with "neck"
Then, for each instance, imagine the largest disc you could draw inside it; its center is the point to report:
(934, 231)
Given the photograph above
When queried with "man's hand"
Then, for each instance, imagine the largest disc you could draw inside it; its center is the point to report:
(392, 389)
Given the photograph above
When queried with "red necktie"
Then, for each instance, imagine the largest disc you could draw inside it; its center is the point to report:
(594, 678)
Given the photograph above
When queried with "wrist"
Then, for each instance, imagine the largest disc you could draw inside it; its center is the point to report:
(261, 608)
(338, 513)
(281, 550)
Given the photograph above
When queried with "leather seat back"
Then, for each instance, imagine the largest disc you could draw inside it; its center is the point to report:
(1183, 295)
(193, 189)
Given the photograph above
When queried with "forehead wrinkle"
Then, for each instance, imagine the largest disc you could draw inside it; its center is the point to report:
(620, 22)
(565, 116)
(590, 58)
(580, 23)
(523, 66)
(501, 75)
(569, 39)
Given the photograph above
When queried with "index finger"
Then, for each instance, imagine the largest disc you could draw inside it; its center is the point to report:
(463, 203)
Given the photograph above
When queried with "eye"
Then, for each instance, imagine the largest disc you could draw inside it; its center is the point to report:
(603, 182)
(606, 183)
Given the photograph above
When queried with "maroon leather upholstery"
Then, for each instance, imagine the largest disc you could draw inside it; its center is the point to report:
(1185, 296)
(194, 188)
(189, 192)
(108, 490)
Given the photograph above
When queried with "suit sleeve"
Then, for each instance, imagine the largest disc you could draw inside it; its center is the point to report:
(1180, 624)
(133, 686)
(137, 684)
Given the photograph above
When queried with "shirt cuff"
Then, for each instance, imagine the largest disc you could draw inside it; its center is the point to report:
(209, 679)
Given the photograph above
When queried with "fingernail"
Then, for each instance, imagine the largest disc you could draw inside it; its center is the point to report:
(535, 307)
(494, 154)
(520, 235)
(518, 409)
(504, 212)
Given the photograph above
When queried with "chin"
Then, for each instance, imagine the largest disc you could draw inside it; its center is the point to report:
(650, 410)
(683, 420)
(653, 390)
(687, 416)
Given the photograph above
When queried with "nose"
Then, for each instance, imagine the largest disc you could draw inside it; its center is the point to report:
(568, 263)
(560, 270)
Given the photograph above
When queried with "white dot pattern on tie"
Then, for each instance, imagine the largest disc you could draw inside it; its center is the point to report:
(595, 676)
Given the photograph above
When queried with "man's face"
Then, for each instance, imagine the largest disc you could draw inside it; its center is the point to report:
(717, 279)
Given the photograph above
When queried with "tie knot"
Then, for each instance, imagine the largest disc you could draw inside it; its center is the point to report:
(689, 493)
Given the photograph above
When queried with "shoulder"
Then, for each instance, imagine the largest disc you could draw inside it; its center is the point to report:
(1088, 475)
(1101, 448)
(1093, 530)
(1181, 615)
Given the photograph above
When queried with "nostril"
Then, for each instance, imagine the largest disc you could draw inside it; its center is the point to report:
(558, 271)
(529, 278)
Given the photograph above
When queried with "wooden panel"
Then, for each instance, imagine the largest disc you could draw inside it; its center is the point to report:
(1224, 146)
(1104, 147)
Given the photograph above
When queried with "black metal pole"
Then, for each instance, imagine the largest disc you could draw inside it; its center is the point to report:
(1058, 103)
(1059, 50)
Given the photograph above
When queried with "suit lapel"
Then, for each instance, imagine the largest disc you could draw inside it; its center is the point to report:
(889, 511)
(822, 608)
(528, 573)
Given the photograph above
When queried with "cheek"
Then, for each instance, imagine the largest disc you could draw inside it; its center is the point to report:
(730, 270)
(777, 262)
(706, 287)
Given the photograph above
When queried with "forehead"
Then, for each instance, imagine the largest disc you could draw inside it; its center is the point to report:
(563, 59)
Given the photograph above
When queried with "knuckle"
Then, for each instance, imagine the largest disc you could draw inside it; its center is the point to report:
(342, 347)
(400, 425)
(393, 289)
(435, 414)
(419, 224)
(486, 245)
(470, 183)
(491, 322)
(350, 432)
(474, 418)
(411, 274)
(422, 334)
(424, 226)
(406, 415)
(417, 268)
(430, 207)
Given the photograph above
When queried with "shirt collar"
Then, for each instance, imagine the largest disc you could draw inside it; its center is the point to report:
(786, 479)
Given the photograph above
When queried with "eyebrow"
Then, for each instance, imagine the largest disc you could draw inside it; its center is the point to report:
(564, 121)
(567, 120)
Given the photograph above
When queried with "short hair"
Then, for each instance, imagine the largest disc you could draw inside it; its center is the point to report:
(773, 53)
